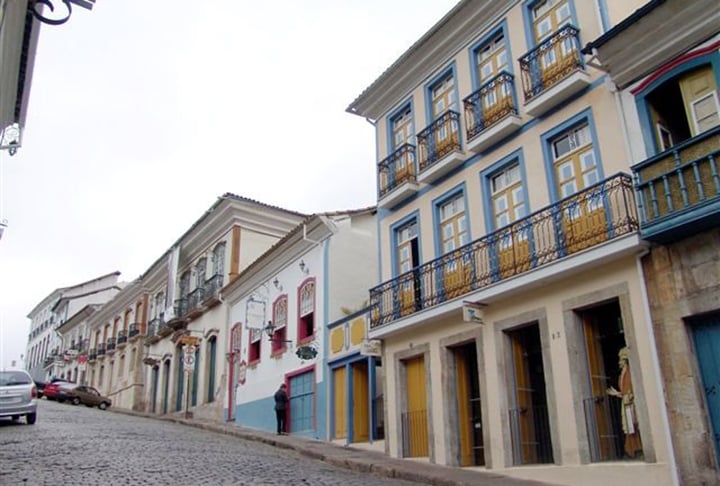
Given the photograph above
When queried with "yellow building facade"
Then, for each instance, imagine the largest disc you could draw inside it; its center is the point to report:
(512, 306)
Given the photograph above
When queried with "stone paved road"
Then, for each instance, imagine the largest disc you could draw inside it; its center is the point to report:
(81, 446)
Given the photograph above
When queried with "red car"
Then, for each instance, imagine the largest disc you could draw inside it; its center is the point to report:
(56, 390)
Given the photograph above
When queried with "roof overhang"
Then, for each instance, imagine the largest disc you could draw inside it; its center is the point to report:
(654, 34)
(18, 45)
(452, 33)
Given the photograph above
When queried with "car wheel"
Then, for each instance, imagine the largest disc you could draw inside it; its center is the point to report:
(76, 401)
(15, 418)
(102, 406)
(31, 418)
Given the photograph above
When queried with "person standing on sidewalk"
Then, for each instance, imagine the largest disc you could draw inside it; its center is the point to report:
(281, 401)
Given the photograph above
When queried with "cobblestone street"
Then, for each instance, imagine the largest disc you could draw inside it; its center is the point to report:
(83, 446)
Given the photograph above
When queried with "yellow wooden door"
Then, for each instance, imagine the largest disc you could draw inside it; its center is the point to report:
(361, 402)
(548, 17)
(524, 401)
(402, 134)
(457, 268)
(443, 99)
(340, 400)
(492, 59)
(699, 93)
(583, 216)
(415, 420)
(465, 423)
(407, 260)
(508, 200)
(599, 400)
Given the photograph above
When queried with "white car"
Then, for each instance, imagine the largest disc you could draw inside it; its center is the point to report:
(18, 395)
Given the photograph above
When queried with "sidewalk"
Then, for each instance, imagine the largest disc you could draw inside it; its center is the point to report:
(355, 459)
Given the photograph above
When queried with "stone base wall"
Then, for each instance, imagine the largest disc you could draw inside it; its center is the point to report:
(683, 280)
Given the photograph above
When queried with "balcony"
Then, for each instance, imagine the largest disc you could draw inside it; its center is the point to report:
(179, 320)
(133, 330)
(92, 355)
(439, 147)
(101, 350)
(397, 176)
(153, 332)
(593, 217)
(553, 71)
(195, 302)
(122, 339)
(491, 113)
(212, 290)
(678, 190)
(110, 345)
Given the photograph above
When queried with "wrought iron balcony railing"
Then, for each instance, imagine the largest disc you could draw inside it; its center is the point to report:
(551, 61)
(122, 337)
(92, 354)
(101, 350)
(490, 104)
(397, 168)
(181, 307)
(213, 286)
(679, 189)
(593, 216)
(195, 298)
(439, 139)
(133, 330)
(111, 342)
(154, 325)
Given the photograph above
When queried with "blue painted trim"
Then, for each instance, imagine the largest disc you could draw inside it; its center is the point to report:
(475, 158)
(604, 16)
(452, 193)
(449, 70)
(390, 145)
(487, 174)
(546, 140)
(481, 43)
(414, 216)
(643, 107)
(528, 6)
(340, 362)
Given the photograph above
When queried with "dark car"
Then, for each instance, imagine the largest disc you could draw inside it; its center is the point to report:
(40, 385)
(89, 396)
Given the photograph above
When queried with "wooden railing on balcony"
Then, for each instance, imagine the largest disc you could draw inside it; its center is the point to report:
(395, 169)
(551, 61)
(679, 180)
(439, 139)
(489, 104)
(595, 215)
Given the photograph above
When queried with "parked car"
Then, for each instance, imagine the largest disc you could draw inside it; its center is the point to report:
(57, 390)
(89, 396)
(40, 388)
(18, 395)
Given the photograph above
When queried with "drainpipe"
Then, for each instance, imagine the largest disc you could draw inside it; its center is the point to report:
(656, 369)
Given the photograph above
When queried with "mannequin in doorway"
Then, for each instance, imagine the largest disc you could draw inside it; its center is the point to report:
(633, 445)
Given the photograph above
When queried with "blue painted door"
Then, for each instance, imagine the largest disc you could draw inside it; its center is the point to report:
(706, 334)
(302, 402)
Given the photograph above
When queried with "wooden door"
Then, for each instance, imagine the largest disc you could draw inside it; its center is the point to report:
(464, 411)
(408, 258)
(597, 405)
(699, 93)
(584, 221)
(706, 336)
(457, 264)
(361, 402)
(548, 17)
(526, 440)
(415, 423)
(508, 203)
(340, 401)
(443, 100)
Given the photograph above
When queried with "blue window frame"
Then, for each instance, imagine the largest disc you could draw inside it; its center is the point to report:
(528, 9)
(458, 229)
(404, 111)
(396, 238)
(488, 45)
(551, 144)
(486, 181)
(452, 103)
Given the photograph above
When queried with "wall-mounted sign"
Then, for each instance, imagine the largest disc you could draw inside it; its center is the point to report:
(473, 313)
(371, 347)
(242, 372)
(306, 352)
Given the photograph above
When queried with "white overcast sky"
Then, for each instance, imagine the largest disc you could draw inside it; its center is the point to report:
(143, 112)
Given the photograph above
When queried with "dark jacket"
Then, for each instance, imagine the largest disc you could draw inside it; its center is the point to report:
(281, 400)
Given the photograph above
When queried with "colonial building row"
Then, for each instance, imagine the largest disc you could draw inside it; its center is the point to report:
(535, 293)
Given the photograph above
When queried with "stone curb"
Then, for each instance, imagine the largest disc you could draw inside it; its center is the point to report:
(358, 460)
